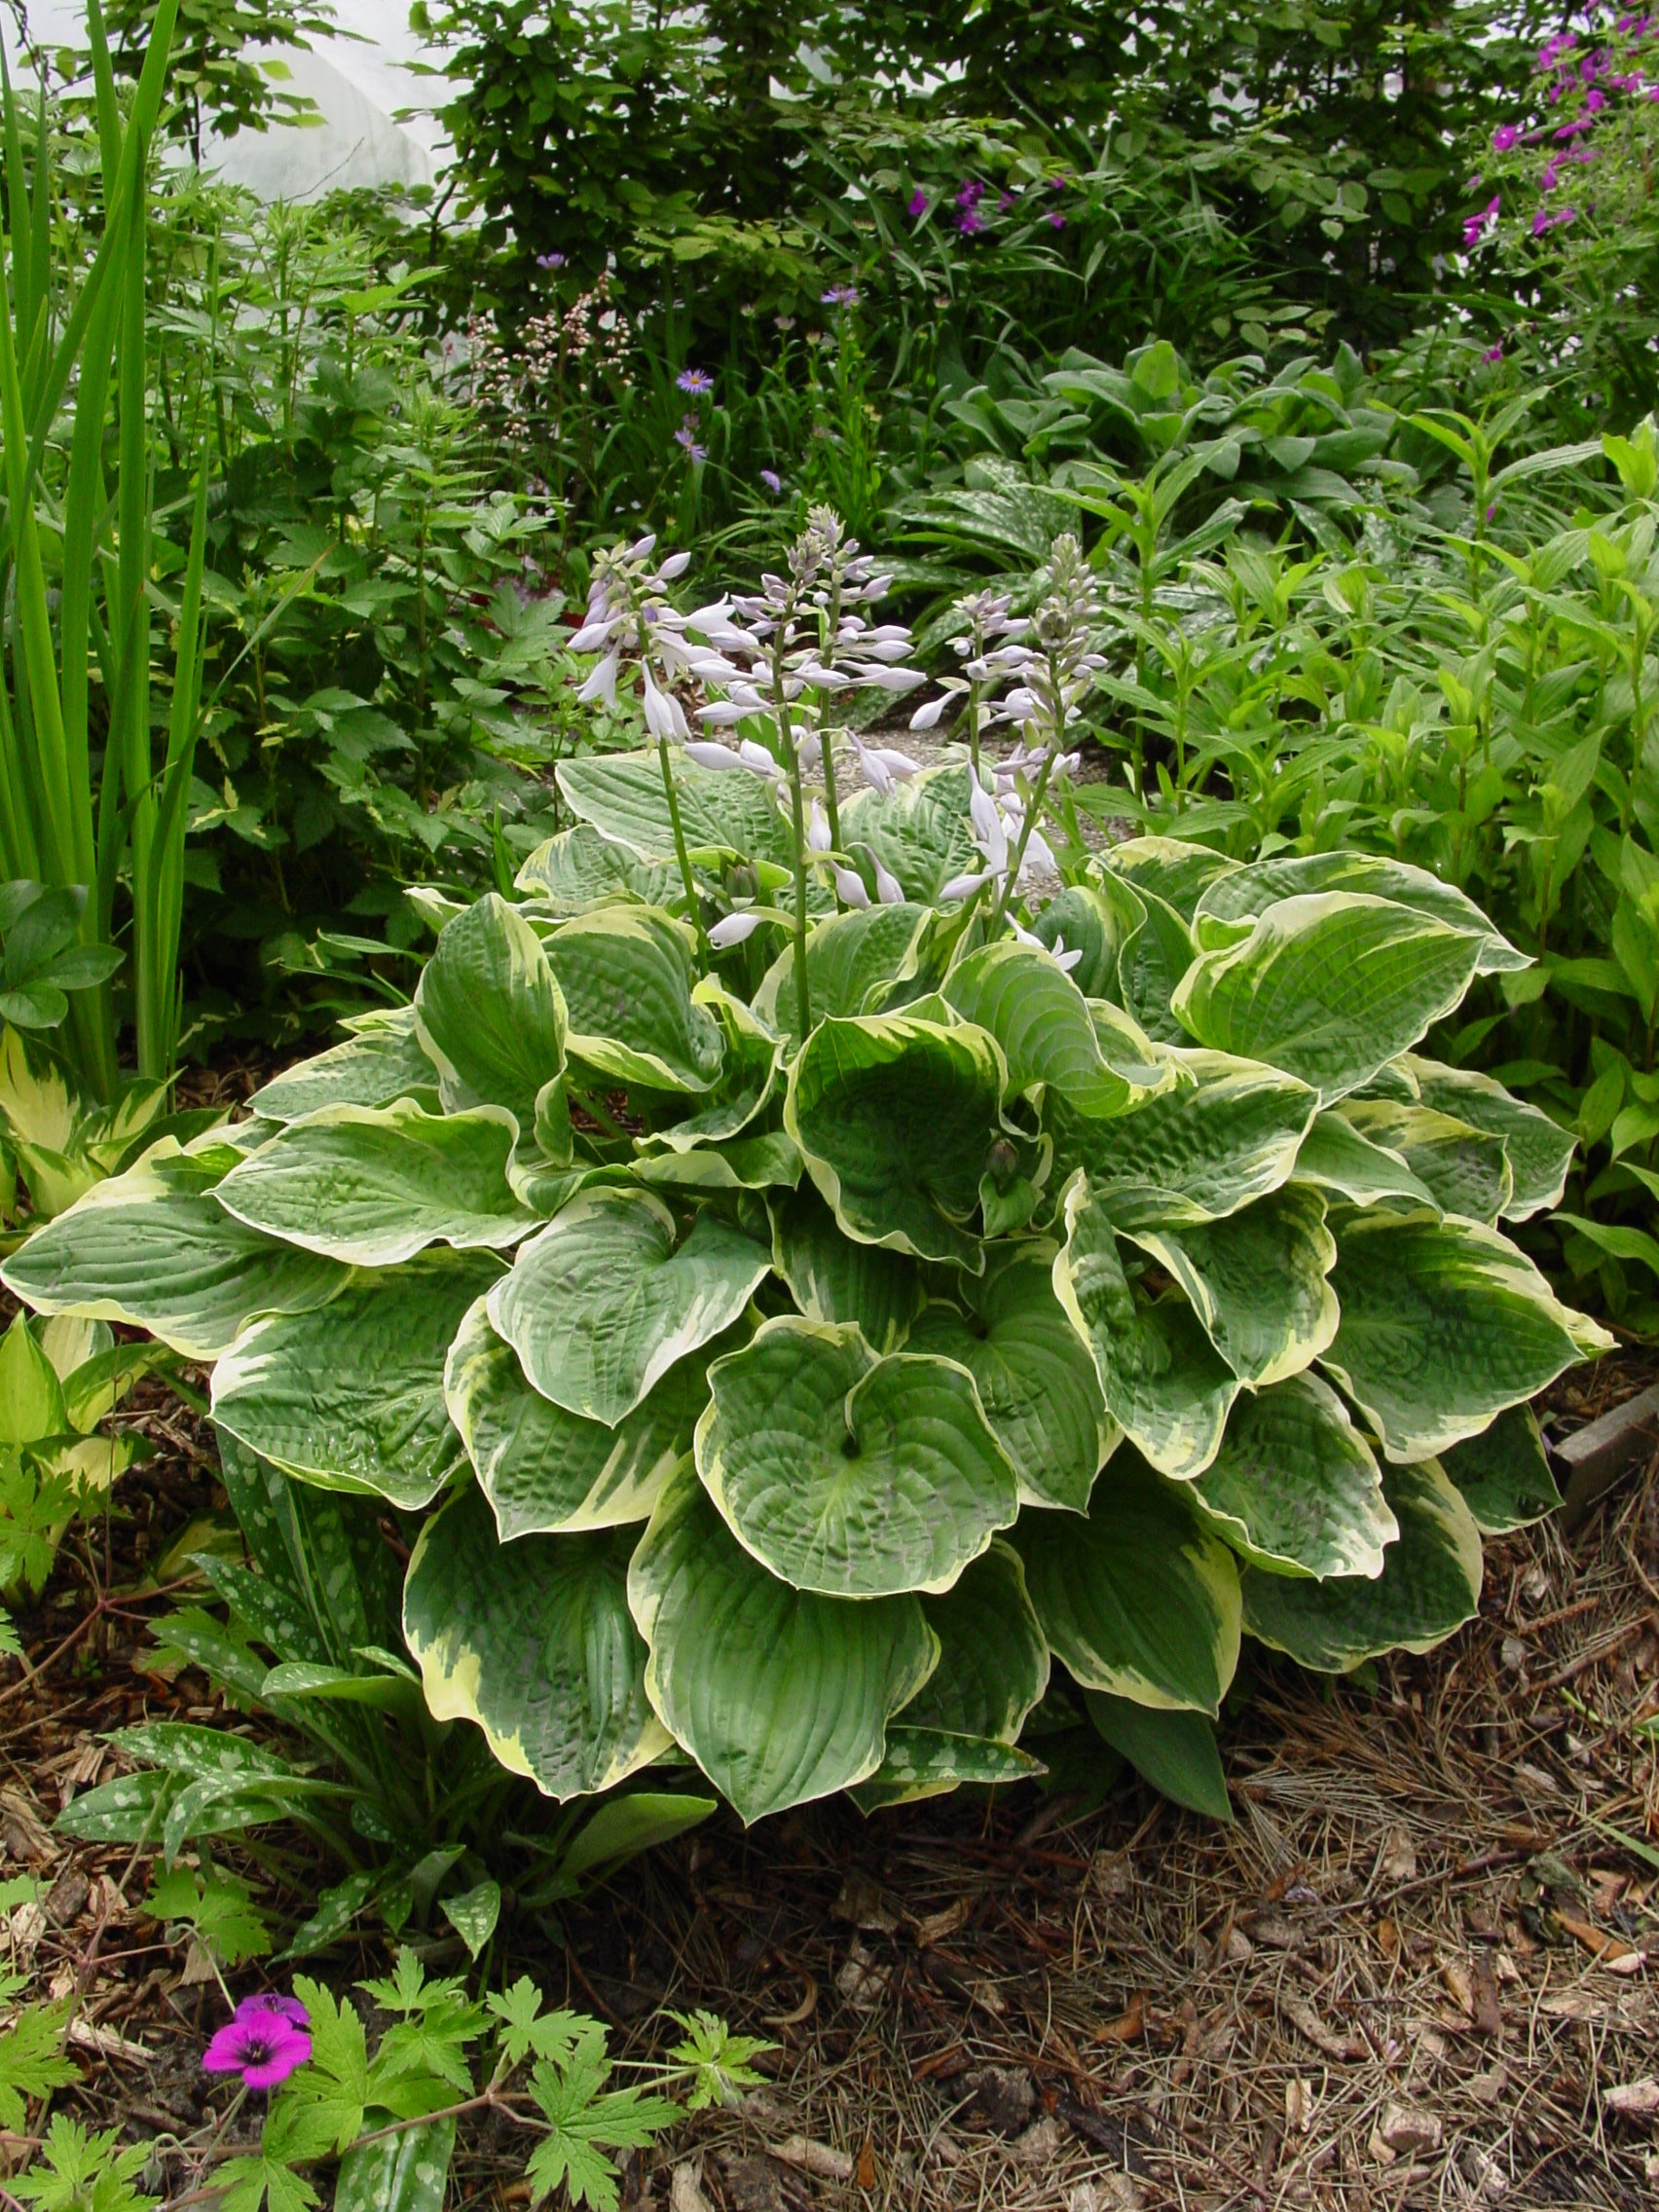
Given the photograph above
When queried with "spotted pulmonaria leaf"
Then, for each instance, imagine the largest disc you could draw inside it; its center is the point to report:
(533, 1642)
(780, 1695)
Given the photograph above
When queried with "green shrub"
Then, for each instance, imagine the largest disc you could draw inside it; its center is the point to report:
(796, 1327)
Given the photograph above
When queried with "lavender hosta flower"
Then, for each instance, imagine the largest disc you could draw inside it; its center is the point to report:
(840, 296)
(550, 261)
(964, 886)
(888, 888)
(1056, 221)
(601, 686)
(734, 929)
(695, 381)
(850, 887)
(818, 836)
(665, 716)
(704, 753)
(266, 2040)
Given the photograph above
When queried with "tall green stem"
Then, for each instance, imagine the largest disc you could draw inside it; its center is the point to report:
(694, 903)
(1017, 858)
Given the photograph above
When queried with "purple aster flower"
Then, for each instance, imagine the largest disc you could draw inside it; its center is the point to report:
(840, 296)
(695, 381)
(918, 203)
(550, 261)
(1503, 137)
(265, 2041)
(686, 437)
(1493, 353)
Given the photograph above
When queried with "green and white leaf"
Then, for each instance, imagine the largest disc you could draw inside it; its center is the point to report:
(1042, 1022)
(926, 1762)
(1172, 870)
(602, 1304)
(1503, 1473)
(993, 1663)
(1155, 956)
(1162, 1380)
(1257, 1281)
(780, 1695)
(897, 1118)
(1140, 1599)
(545, 1470)
(375, 1184)
(1429, 1586)
(753, 1057)
(353, 1397)
(533, 1642)
(1444, 1324)
(1466, 1171)
(489, 1014)
(921, 831)
(1251, 890)
(1295, 1488)
(833, 1279)
(621, 796)
(848, 1474)
(765, 1162)
(1540, 1150)
(380, 1062)
(578, 869)
(626, 978)
(1335, 1157)
(851, 961)
(1328, 987)
(1035, 1376)
(1096, 919)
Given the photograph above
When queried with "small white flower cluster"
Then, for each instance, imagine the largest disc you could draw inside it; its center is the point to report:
(516, 384)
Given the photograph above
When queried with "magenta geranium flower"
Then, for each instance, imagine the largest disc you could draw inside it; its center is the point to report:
(918, 203)
(267, 2040)
(1503, 137)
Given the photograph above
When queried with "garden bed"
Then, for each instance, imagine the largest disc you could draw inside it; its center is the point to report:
(1414, 1972)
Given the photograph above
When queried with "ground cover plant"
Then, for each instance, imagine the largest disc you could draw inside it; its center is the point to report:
(917, 1287)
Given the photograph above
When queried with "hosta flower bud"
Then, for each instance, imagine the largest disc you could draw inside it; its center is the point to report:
(735, 929)
(708, 755)
(850, 887)
(888, 888)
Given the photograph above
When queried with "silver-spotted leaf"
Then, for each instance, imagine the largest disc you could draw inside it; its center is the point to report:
(927, 1762)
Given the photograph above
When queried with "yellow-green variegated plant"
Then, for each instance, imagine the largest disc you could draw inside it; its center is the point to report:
(1081, 1287)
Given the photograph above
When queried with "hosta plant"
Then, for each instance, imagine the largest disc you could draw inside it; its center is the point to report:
(822, 1304)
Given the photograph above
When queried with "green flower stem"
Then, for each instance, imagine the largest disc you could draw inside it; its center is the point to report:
(693, 901)
(1017, 859)
(797, 814)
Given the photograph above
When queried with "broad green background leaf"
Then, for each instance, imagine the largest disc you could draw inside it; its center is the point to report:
(1444, 1324)
(626, 976)
(1465, 1170)
(380, 1062)
(1503, 1474)
(1175, 1751)
(374, 1186)
(1295, 1488)
(831, 1278)
(993, 1664)
(780, 1695)
(1334, 1156)
(578, 869)
(848, 957)
(1140, 1599)
(921, 831)
(926, 1762)
(1173, 870)
(1042, 1022)
(353, 1397)
(534, 1641)
(623, 797)
(602, 1304)
(1250, 890)
(1035, 1376)
(161, 1254)
(1227, 1134)
(847, 1474)
(1431, 1584)
(544, 1469)
(897, 1118)
(1328, 987)
(487, 1012)
(1540, 1152)
(1257, 1281)
(1164, 1381)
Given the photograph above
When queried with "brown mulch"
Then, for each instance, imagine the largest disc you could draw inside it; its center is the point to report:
(1410, 1974)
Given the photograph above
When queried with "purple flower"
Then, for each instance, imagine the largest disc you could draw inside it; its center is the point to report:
(686, 436)
(1059, 183)
(773, 482)
(1057, 220)
(970, 221)
(265, 2041)
(1595, 98)
(971, 195)
(1493, 353)
(918, 203)
(695, 381)
(840, 296)
(1503, 137)
(1005, 201)
(550, 261)
(1492, 511)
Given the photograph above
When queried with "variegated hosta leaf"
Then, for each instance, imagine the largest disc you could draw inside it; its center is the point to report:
(847, 1474)
(621, 794)
(1328, 987)
(926, 1762)
(1140, 1599)
(747, 1077)
(1251, 890)
(543, 1470)
(780, 1695)
(993, 1663)
(897, 1118)
(1175, 1751)
(1540, 1150)
(602, 1304)
(1466, 1171)
(374, 1185)
(1228, 1132)
(1035, 1378)
(1294, 1488)
(489, 1014)
(532, 1641)
(1430, 1585)
(1257, 1281)
(1444, 1324)
(1164, 1381)
(1155, 956)
(921, 831)
(768, 1163)
(1177, 872)
(381, 1060)
(1042, 1022)
(353, 1397)
(625, 974)
(850, 960)
(1504, 1473)
(1096, 919)
(578, 869)
(154, 1248)
(1334, 1156)
(831, 1278)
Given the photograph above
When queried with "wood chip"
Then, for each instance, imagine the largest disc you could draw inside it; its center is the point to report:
(821, 2160)
(1614, 1953)
(1128, 2026)
(86, 2035)
(1633, 2100)
(1301, 2014)
(1410, 2130)
(937, 1926)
